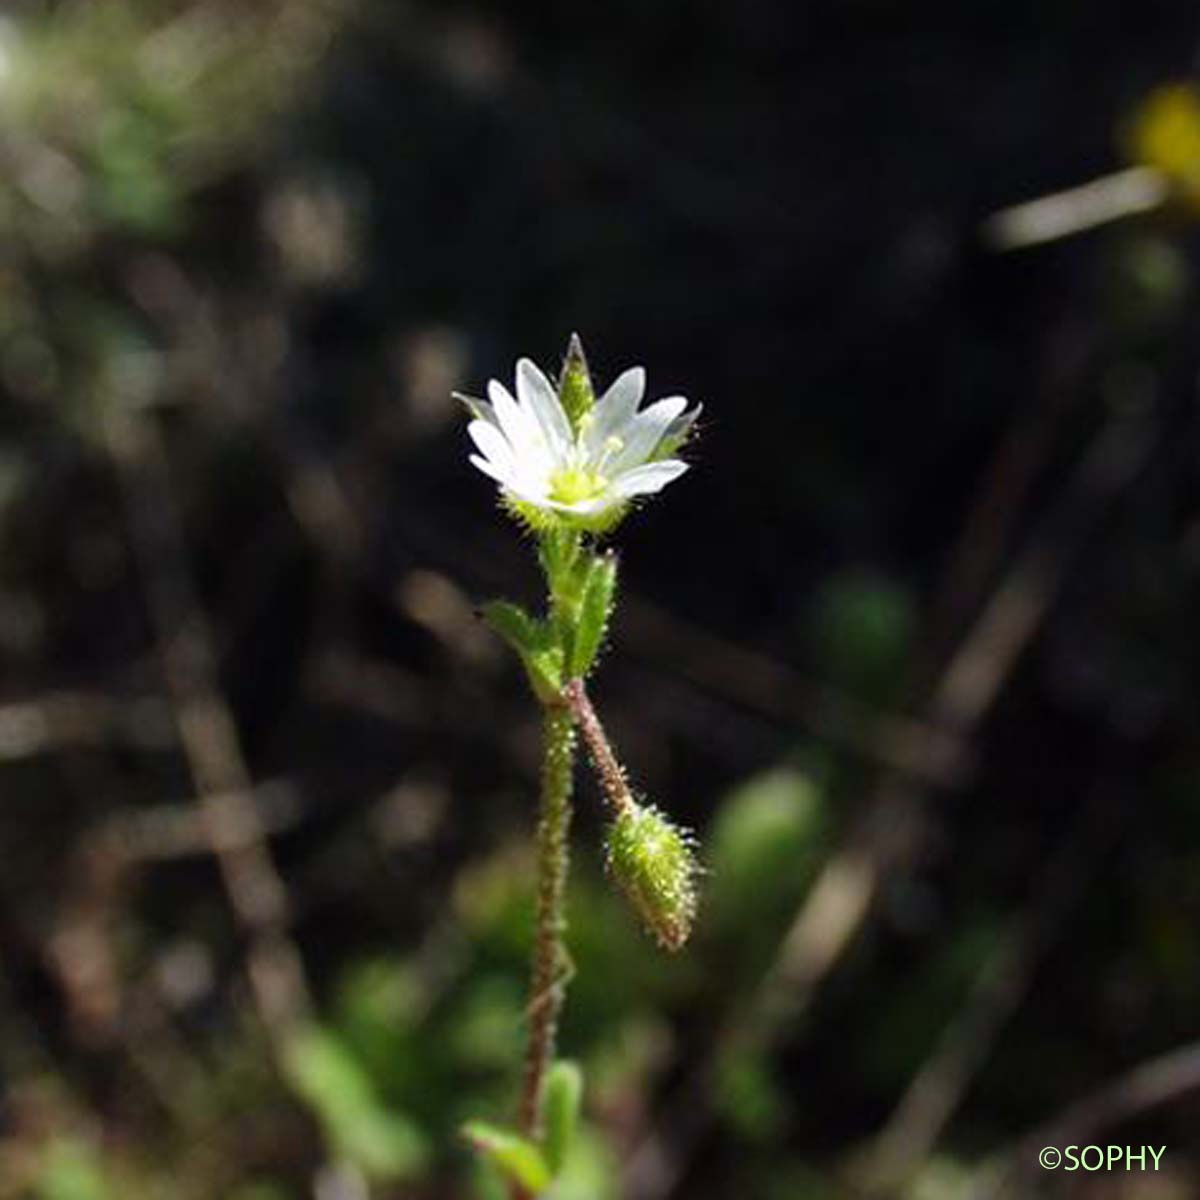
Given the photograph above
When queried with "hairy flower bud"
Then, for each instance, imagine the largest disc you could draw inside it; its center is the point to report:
(652, 861)
(575, 391)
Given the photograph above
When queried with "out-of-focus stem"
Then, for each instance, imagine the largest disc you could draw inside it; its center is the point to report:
(547, 983)
(1121, 194)
(206, 728)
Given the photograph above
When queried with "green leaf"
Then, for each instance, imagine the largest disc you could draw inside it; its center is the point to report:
(525, 634)
(535, 644)
(595, 609)
(560, 1112)
(516, 1156)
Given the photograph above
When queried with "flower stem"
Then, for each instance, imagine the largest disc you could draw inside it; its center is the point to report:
(550, 961)
(608, 769)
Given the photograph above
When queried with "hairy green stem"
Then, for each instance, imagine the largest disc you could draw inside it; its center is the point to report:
(550, 961)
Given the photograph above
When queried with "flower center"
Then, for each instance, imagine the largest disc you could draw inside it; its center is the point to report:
(571, 485)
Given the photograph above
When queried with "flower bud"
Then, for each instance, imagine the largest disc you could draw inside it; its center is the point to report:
(652, 861)
(575, 392)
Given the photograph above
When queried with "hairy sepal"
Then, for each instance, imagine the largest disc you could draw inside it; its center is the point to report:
(594, 613)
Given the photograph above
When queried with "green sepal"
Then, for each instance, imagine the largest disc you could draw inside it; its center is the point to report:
(535, 643)
(559, 551)
(566, 567)
(540, 521)
(516, 1157)
(575, 391)
(595, 610)
(677, 433)
(560, 1112)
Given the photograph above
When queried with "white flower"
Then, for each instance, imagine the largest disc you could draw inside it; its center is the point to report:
(590, 472)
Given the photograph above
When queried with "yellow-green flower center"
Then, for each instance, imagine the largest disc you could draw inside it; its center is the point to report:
(572, 485)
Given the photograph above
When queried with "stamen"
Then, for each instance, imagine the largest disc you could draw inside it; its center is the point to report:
(613, 445)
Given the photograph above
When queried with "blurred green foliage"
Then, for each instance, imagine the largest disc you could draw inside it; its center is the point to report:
(72, 1170)
(281, 231)
(384, 1144)
(861, 632)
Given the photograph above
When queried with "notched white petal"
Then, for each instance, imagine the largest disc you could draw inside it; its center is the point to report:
(488, 468)
(649, 478)
(523, 433)
(529, 491)
(617, 406)
(538, 396)
(645, 431)
(491, 442)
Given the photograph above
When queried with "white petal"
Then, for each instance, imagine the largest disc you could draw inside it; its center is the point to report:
(523, 433)
(492, 444)
(652, 477)
(644, 432)
(528, 490)
(488, 468)
(616, 407)
(537, 394)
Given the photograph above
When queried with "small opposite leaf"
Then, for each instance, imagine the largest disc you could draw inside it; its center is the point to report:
(520, 1160)
(534, 643)
(521, 631)
(595, 609)
(560, 1112)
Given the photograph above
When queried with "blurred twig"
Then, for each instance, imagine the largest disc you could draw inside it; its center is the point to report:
(999, 501)
(328, 499)
(759, 682)
(839, 901)
(328, 515)
(206, 727)
(1126, 193)
(168, 831)
(1147, 1086)
(51, 722)
(938, 1087)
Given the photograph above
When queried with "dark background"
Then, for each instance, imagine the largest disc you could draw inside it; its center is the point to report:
(912, 646)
